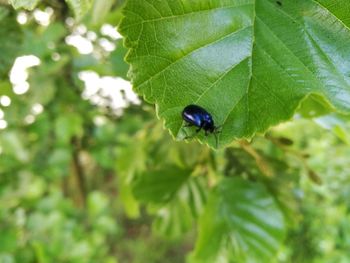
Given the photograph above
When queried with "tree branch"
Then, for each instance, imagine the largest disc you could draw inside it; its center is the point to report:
(79, 170)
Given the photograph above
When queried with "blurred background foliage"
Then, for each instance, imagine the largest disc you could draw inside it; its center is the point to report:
(88, 174)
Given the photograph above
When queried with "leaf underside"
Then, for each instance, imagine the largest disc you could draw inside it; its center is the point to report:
(243, 216)
(249, 63)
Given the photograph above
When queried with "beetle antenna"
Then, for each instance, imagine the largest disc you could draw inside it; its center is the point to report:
(216, 140)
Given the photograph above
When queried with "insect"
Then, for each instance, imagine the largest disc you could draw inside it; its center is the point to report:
(196, 116)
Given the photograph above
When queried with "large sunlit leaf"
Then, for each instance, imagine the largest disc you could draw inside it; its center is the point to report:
(340, 9)
(249, 63)
(243, 217)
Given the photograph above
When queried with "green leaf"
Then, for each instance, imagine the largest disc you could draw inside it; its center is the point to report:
(130, 204)
(177, 216)
(119, 67)
(97, 204)
(38, 42)
(174, 197)
(243, 216)
(8, 240)
(26, 4)
(79, 7)
(67, 126)
(340, 9)
(6, 88)
(42, 90)
(12, 142)
(338, 124)
(173, 220)
(159, 186)
(313, 106)
(249, 63)
(100, 10)
(10, 33)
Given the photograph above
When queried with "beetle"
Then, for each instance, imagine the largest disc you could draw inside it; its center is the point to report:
(197, 116)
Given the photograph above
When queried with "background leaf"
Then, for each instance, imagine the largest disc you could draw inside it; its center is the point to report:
(100, 9)
(10, 33)
(244, 217)
(79, 7)
(159, 186)
(338, 124)
(177, 217)
(26, 4)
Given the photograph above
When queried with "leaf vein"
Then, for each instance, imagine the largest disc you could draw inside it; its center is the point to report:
(191, 52)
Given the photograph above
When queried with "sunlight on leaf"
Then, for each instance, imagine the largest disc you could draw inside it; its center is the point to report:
(249, 63)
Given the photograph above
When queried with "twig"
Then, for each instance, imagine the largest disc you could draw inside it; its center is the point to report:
(79, 170)
(260, 161)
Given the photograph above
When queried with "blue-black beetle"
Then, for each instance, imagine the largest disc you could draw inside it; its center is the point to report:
(196, 116)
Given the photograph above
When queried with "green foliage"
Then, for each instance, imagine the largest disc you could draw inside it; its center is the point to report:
(249, 63)
(337, 123)
(100, 9)
(26, 4)
(117, 60)
(242, 216)
(83, 179)
(12, 34)
(160, 185)
(79, 7)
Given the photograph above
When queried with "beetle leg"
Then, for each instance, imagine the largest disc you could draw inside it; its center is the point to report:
(197, 131)
(188, 136)
(218, 129)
